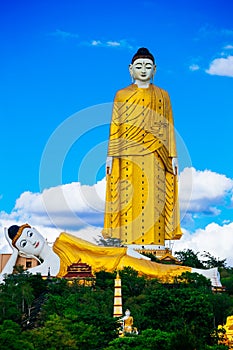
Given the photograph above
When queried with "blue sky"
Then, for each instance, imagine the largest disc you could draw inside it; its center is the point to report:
(61, 64)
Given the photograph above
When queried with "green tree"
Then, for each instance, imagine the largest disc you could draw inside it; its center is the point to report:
(227, 279)
(105, 280)
(188, 258)
(92, 307)
(185, 340)
(149, 340)
(216, 347)
(10, 301)
(132, 284)
(54, 334)
(191, 279)
(18, 293)
(38, 284)
(11, 337)
(210, 261)
(27, 296)
(87, 336)
(79, 317)
(222, 307)
(175, 306)
(61, 333)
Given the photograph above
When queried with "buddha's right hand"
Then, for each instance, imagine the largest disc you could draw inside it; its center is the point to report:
(109, 165)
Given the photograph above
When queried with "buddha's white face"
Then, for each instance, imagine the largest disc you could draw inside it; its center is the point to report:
(30, 241)
(142, 69)
(127, 313)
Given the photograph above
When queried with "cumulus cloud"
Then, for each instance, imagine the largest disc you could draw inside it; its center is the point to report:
(194, 67)
(73, 207)
(113, 43)
(214, 238)
(64, 34)
(201, 192)
(96, 43)
(122, 43)
(221, 66)
(79, 209)
(228, 47)
(110, 43)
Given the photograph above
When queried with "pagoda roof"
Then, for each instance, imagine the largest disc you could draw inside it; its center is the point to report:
(79, 270)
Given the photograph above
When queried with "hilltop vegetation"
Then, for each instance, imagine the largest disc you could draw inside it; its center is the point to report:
(38, 314)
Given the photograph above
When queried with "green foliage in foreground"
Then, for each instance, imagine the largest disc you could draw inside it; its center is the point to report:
(168, 317)
(189, 258)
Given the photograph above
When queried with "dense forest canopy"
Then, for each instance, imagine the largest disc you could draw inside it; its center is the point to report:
(37, 313)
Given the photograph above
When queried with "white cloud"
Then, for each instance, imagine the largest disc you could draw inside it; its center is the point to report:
(79, 209)
(67, 207)
(221, 66)
(203, 191)
(96, 42)
(113, 43)
(215, 239)
(228, 47)
(110, 43)
(122, 43)
(194, 67)
(63, 34)
(73, 206)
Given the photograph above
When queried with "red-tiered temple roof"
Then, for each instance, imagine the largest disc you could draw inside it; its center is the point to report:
(79, 270)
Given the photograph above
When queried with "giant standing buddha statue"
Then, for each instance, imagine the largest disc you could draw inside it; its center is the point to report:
(142, 208)
(141, 199)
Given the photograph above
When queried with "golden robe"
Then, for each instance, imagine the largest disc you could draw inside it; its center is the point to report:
(71, 249)
(141, 191)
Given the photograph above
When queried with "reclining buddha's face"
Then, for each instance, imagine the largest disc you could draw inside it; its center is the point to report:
(30, 241)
